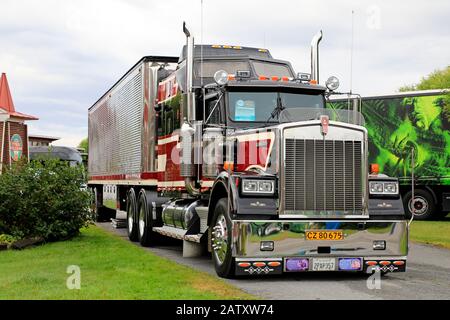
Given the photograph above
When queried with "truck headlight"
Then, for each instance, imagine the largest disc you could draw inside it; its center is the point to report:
(391, 187)
(253, 186)
(383, 188)
(376, 187)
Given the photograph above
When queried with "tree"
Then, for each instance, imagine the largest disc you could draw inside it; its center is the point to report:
(84, 144)
(439, 79)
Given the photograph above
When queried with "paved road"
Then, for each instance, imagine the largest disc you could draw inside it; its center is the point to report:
(427, 277)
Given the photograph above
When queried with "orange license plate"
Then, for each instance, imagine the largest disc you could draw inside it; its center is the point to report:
(324, 235)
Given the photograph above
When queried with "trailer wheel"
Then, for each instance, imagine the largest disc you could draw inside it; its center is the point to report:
(132, 227)
(221, 236)
(147, 237)
(423, 204)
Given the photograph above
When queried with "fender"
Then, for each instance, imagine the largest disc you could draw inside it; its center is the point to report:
(220, 190)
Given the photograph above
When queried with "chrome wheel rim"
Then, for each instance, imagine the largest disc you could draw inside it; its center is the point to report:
(420, 206)
(220, 239)
(141, 221)
(130, 221)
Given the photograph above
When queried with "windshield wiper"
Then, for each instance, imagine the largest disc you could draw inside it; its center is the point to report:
(277, 109)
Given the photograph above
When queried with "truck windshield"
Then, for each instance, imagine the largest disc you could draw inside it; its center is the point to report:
(259, 106)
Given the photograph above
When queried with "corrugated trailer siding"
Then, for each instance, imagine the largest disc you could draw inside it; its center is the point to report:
(115, 129)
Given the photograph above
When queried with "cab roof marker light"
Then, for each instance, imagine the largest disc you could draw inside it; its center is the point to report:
(216, 46)
(263, 78)
(371, 263)
(275, 78)
(399, 263)
(237, 47)
(385, 263)
(227, 47)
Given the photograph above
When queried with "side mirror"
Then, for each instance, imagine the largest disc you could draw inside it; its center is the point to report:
(332, 83)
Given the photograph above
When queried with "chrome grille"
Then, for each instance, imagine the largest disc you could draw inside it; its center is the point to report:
(323, 176)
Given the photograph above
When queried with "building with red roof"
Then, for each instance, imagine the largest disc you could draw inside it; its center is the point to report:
(13, 130)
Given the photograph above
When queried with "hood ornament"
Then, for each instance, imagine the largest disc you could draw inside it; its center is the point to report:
(324, 123)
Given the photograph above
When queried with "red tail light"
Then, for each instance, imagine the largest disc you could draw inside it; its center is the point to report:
(259, 264)
(244, 264)
(274, 264)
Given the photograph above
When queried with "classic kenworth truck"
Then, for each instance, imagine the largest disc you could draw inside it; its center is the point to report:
(232, 152)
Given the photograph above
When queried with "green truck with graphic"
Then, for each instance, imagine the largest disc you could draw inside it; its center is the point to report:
(399, 123)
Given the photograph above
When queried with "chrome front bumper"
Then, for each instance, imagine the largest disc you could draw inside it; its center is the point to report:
(289, 241)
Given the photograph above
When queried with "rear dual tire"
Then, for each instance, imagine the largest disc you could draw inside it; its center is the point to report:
(146, 236)
(132, 227)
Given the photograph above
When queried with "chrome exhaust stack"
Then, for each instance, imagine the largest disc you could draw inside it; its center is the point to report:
(190, 128)
(190, 116)
(315, 56)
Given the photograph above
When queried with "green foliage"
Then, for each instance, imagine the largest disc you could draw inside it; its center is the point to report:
(7, 239)
(43, 199)
(439, 79)
(84, 144)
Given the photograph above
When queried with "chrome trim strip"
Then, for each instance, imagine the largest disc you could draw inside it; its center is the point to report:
(258, 259)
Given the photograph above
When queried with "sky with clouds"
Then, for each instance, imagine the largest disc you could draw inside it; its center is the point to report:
(62, 55)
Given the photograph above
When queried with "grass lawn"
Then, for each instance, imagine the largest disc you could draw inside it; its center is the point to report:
(111, 268)
(432, 232)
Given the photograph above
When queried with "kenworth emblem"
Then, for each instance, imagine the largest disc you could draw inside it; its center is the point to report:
(325, 122)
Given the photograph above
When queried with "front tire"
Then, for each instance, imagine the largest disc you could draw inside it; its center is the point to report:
(132, 227)
(221, 237)
(423, 204)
